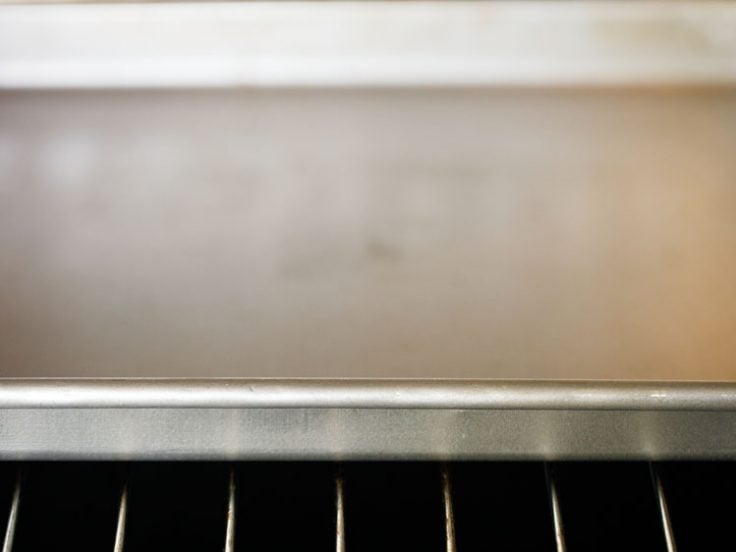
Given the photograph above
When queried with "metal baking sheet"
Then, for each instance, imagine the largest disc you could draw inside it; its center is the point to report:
(448, 226)
(348, 419)
(544, 234)
(540, 191)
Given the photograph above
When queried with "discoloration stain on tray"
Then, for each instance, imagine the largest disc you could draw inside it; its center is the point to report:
(382, 251)
(655, 34)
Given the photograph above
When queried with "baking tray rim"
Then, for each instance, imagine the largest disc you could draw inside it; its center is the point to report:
(366, 393)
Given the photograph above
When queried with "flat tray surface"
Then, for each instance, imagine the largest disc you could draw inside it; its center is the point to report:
(345, 233)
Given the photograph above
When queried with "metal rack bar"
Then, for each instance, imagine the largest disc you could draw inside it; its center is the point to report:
(339, 511)
(555, 505)
(664, 513)
(231, 514)
(449, 515)
(122, 514)
(13, 516)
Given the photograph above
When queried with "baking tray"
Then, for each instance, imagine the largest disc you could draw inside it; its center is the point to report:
(538, 205)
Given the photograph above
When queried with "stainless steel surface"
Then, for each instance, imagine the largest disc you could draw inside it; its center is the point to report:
(368, 44)
(358, 419)
(669, 535)
(365, 394)
(329, 433)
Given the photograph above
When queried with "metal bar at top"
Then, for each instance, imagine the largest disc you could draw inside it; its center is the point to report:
(259, 44)
(319, 393)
